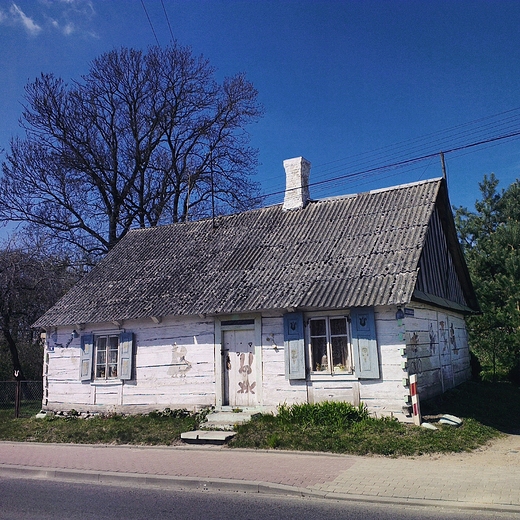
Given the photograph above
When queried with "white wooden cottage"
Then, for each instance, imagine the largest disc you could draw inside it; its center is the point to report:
(334, 299)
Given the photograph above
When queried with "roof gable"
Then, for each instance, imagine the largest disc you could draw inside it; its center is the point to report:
(335, 253)
(443, 277)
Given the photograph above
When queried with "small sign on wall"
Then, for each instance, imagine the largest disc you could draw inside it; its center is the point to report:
(409, 312)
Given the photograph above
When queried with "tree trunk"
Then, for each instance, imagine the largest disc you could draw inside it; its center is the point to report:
(17, 367)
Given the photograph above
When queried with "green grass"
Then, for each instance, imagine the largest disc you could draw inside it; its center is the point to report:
(487, 410)
(369, 436)
(152, 429)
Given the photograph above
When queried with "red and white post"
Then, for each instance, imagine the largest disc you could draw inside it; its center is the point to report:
(416, 409)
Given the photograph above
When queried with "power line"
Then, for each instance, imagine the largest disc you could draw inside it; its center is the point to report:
(402, 163)
(168, 20)
(150, 22)
(479, 130)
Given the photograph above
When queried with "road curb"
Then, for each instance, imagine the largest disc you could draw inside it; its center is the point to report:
(231, 486)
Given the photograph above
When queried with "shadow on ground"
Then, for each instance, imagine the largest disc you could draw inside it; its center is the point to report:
(493, 404)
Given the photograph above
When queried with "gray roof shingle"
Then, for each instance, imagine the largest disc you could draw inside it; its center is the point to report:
(348, 251)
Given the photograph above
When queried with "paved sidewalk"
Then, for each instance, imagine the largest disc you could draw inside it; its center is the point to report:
(486, 479)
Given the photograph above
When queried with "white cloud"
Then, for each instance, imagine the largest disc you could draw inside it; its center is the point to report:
(29, 24)
(68, 29)
(68, 17)
(83, 7)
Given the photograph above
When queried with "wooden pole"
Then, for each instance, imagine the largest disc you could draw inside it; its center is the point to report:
(443, 164)
(17, 397)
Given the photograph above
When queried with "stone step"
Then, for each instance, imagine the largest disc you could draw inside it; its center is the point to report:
(226, 420)
(207, 436)
(218, 427)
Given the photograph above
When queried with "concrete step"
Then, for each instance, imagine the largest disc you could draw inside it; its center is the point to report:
(207, 436)
(226, 420)
(218, 427)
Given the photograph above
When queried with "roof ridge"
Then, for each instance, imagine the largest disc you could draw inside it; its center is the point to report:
(379, 190)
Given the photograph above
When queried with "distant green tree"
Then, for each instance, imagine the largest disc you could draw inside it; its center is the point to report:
(490, 238)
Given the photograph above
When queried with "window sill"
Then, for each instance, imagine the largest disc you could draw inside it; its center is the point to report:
(106, 382)
(317, 376)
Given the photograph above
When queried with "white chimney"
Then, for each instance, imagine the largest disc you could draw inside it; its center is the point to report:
(297, 172)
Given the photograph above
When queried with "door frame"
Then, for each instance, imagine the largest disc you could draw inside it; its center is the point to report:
(236, 322)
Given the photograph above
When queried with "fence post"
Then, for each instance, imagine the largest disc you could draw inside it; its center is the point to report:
(17, 395)
(17, 399)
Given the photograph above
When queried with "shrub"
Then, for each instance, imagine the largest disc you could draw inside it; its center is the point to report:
(329, 414)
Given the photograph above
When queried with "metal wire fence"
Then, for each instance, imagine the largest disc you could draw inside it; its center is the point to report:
(24, 398)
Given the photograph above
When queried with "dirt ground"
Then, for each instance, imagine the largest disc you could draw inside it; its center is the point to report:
(504, 450)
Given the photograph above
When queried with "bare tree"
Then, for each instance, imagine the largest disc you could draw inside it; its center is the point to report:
(142, 139)
(30, 282)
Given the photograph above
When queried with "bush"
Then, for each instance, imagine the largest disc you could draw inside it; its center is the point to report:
(328, 414)
(514, 374)
(476, 367)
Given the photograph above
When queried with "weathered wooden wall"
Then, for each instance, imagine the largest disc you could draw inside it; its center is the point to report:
(173, 363)
(175, 366)
(436, 349)
(386, 396)
(383, 396)
(276, 389)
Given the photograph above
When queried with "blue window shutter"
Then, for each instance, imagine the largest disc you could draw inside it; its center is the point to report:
(126, 343)
(86, 353)
(364, 343)
(294, 345)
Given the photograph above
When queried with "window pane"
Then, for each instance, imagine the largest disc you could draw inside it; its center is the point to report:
(107, 355)
(338, 326)
(319, 354)
(102, 343)
(340, 354)
(318, 328)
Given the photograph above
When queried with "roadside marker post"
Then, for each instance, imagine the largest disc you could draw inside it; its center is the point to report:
(416, 409)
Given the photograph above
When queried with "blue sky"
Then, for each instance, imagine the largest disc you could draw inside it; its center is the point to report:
(354, 86)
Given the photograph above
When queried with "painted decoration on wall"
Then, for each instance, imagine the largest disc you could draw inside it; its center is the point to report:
(433, 340)
(414, 342)
(453, 340)
(245, 385)
(179, 365)
(443, 338)
(415, 364)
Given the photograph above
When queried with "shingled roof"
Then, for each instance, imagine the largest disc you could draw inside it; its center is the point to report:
(358, 250)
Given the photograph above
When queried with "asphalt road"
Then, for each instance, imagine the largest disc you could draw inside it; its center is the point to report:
(41, 500)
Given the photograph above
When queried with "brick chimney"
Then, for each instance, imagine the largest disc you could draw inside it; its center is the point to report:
(297, 172)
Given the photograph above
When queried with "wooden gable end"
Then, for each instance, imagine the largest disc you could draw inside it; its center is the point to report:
(443, 277)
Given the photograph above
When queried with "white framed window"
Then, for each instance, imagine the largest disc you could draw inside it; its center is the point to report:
(106, 356)
(338, 343)
(330, 345)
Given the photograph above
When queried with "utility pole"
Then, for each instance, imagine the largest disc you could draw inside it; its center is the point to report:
(443, 164)
(212, 189)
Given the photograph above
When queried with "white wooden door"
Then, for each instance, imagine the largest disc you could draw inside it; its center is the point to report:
(240, 370)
